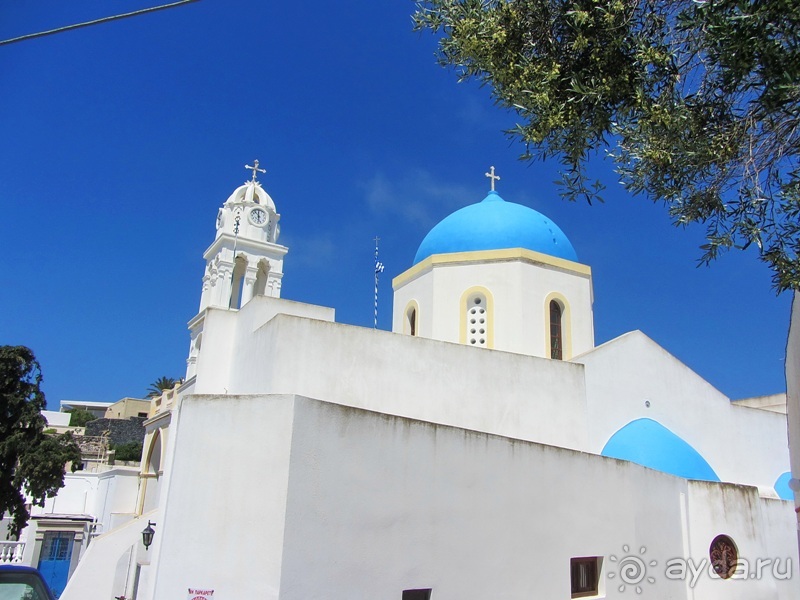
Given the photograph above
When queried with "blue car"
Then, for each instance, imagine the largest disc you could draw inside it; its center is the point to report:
(23, 583)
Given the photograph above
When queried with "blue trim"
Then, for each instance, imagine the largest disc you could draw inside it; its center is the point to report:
(494, 224)
(782, 487)
(650, 444)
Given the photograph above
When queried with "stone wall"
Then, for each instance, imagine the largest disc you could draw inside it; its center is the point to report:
(120, 431)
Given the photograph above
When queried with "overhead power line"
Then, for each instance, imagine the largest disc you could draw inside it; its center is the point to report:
(95, 22)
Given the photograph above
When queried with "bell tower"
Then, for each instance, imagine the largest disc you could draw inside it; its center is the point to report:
(245, 259)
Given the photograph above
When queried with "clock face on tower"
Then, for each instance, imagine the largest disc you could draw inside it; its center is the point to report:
(258, 216)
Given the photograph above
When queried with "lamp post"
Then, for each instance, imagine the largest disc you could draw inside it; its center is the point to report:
(147, 534)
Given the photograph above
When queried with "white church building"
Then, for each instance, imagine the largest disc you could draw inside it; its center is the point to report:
(485, 448)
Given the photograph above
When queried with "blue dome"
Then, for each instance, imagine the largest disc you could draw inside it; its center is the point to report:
(494, 224)
(649, 443)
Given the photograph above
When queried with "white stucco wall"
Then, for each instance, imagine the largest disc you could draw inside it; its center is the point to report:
(227, 332)
(774, 518)
(793, 397)
(336, 502)
(761, 530)
(743, 445)
(116, 499)
(394, 504)
(101, 495)
(56, 419)
(486, 390)
(104, 500)
(223, 514)
(102, 572)
(76, 497)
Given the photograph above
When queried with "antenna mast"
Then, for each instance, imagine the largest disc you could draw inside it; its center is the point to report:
(378, 270)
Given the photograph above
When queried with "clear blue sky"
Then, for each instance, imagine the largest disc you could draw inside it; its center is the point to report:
(120, 141)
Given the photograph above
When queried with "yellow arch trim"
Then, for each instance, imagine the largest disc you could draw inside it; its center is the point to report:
(566, 324)
(156, 439)
(406, 326)
(477, 289)
(145, 472)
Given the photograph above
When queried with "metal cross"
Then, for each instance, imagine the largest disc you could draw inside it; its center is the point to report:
(490, 175)
(255, 169)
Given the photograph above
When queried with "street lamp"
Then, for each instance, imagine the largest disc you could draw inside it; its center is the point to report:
(147, 534)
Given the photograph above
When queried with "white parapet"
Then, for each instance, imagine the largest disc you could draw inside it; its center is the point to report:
(11, 552)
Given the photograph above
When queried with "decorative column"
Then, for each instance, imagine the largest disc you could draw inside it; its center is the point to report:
(274, 285)
(220, 293)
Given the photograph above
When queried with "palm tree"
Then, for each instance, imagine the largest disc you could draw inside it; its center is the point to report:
(159, 385)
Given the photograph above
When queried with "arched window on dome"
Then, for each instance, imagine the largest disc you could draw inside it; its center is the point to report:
(237, 281)
(476, 315)
(411, 320)
(556, 331)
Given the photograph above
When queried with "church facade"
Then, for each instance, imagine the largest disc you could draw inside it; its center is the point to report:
(485, 448)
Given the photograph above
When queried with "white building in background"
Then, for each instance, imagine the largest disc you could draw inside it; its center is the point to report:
(99, 497)
(483, 449)
(98, 409)
(58, 421)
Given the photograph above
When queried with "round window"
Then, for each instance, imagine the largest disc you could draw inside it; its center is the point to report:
(724, 556)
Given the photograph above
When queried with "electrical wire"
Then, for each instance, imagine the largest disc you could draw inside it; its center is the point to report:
(95, 22)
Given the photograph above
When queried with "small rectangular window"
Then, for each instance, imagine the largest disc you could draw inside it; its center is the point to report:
(585, 575)
(422, 594)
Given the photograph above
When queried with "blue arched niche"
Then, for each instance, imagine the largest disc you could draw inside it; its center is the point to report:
(650, 444)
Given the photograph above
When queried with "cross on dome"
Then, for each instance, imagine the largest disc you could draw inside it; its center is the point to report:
(490, 175)
(256, 170)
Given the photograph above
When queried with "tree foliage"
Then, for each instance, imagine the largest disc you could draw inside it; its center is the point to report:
(31, 461)
(79, 417)
(159, 385)
(697, 102)
(128, 451)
